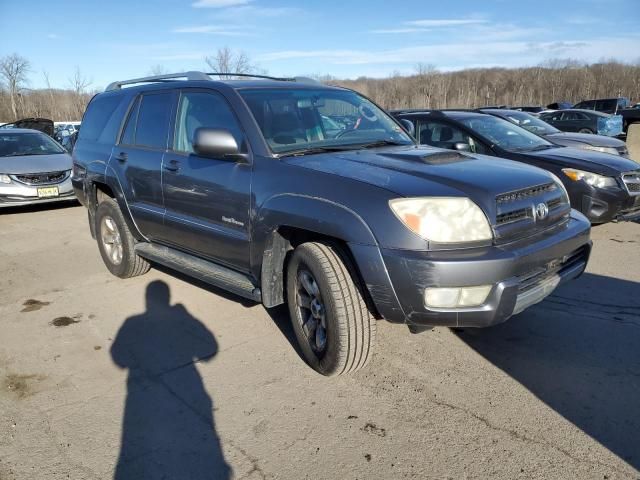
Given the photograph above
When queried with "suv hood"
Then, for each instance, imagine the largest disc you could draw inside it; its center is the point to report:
(596, 162)
(22, 164)
(422, 171)
(567, 138)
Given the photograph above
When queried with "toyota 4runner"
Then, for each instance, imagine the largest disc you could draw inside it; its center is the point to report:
(288, 191)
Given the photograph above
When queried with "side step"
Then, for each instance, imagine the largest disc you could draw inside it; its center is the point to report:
(203, 270)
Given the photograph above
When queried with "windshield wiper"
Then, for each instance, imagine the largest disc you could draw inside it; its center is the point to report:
(314, 150)
(382, 143)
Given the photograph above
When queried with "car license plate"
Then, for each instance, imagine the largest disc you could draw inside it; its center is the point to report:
(48, 192)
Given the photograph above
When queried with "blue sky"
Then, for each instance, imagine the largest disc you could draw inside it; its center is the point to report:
(118, 39)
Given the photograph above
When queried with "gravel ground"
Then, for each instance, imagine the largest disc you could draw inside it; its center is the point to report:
(95, 381)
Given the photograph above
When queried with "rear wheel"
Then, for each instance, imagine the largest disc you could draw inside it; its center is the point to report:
(331, 320)
(585, 130)
(115, 242)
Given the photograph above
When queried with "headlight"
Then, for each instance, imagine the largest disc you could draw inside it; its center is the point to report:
(593, 179)
(610, 150)
(443, 219)
(4, 178)
(560, 185)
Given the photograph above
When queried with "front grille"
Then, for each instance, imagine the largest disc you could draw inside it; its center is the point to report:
(516, 215)
(535, 277)
(632, 182)
(42, 178)
(526, 193)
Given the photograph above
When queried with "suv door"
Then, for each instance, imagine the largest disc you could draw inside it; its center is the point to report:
(207, 200)
(137, 159)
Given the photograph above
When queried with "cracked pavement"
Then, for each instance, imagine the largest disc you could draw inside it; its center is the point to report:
(205, 385)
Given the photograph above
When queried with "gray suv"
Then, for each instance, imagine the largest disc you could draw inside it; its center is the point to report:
(289, 191)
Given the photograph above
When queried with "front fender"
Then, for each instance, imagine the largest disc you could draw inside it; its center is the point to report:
(327, 218)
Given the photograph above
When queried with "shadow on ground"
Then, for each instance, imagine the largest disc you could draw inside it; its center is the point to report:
(168, 430)
(579, 352)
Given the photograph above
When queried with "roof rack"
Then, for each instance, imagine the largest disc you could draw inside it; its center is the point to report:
(195, 75)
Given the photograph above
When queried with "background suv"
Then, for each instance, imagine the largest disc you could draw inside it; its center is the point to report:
(241, 184)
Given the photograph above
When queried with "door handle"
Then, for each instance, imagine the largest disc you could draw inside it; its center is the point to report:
(172, 166)
(122, 157)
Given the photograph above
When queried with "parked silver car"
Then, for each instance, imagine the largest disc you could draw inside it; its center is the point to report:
(33, 169)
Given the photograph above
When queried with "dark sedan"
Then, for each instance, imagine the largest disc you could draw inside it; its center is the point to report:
(587, 141)
(574, 120)
(602, 186)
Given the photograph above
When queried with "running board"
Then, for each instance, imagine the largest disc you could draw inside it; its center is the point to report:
(205, 271)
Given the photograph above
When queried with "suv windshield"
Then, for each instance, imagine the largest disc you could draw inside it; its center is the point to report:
(298, 120)
(505, 134)
(22, 144)
(531, 123)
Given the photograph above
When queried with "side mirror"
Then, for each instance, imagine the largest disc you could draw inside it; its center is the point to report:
(217, 143)
(408, 126)
(461, 147)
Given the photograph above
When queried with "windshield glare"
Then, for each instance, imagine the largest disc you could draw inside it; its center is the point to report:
(298, 119)
(504, 133)
(531, 123)
(22, 144)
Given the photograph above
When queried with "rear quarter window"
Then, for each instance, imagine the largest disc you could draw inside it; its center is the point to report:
(102, 119)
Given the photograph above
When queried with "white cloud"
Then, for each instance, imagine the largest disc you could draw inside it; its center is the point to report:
(399, 30)
(450, 22)
(218, 3)
(496, 53)
(231, 30)
(53, 36)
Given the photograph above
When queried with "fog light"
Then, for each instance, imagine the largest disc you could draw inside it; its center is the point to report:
(473, 296)
(441, 297)
(456, 297)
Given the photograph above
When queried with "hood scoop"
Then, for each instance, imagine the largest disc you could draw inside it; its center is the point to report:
(435, 158)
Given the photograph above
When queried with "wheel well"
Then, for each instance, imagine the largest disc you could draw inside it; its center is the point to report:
(102, 192)
(276, 258)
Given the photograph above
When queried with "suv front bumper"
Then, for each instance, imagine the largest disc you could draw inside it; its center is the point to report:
(521, 274)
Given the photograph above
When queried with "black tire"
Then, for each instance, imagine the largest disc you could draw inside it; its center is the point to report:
(130, 264)
(350, 329)
(585, 130)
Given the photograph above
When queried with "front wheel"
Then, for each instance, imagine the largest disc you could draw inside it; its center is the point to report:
(333, 325)
(584, 130)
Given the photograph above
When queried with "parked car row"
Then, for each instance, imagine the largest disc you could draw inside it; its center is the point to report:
(602, 186)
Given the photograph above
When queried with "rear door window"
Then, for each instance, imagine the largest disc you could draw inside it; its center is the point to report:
(128, 135)
(152, 125)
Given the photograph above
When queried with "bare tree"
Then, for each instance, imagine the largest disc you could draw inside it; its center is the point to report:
(228, 61)
(13, 72)
(79, 84)
(158, 70)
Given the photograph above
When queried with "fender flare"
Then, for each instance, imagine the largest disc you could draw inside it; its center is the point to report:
(329, 219)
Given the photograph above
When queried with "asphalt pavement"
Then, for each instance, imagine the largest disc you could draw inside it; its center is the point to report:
(99, 376)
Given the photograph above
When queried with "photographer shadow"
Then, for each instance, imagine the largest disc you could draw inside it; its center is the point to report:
(579, 352)
(168, 429)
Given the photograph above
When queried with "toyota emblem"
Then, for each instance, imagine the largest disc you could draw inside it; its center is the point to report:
(541, 210)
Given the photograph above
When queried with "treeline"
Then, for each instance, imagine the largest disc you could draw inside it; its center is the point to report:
(55, 104)
(559, 80)
(17, 100)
